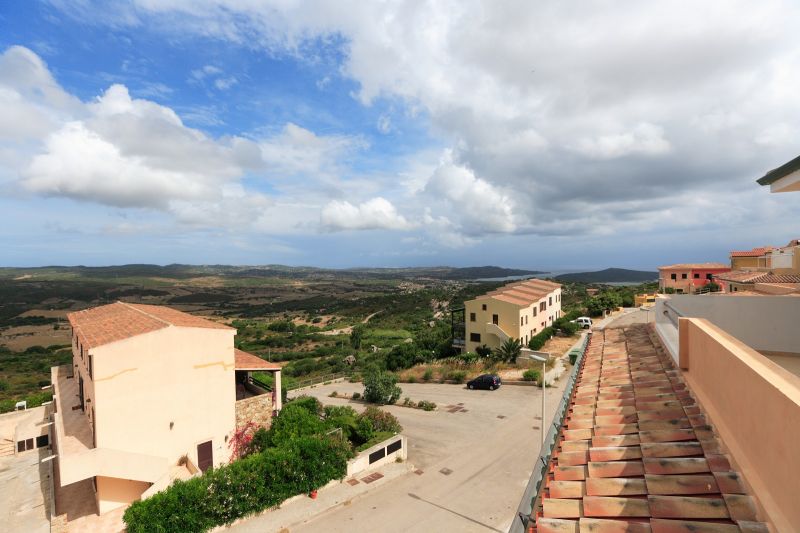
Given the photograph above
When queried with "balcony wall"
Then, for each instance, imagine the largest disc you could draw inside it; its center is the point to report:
(256, 409)
(751, 400)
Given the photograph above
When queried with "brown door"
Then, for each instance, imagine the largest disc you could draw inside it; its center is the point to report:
(205, 456)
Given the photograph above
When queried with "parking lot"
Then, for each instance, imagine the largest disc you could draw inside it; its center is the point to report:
(475, 461)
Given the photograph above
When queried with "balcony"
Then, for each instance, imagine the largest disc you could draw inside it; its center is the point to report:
(256, 401)
(78, 458)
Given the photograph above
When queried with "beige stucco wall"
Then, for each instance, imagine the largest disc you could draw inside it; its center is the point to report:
(165, 392)
(113, 492)
(510, 316)
(744, 262)
(754, 404)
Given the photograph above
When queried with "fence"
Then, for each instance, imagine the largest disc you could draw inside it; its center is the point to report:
(316, 380)
(531, 494)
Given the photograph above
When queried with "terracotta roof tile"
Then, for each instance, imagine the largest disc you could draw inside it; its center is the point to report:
(750, 276)
(636, 453)
(755, 252)
(248, 361)
(522, 293)
(118, 321)
(689, 266)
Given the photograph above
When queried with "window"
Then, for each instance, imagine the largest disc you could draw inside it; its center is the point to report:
(526, 339)
(521, 321)
(696, 275)
(534, 312)
(495, 320)
(472, 317)
(91, 373)
(684, 275)
(543, 306)
(673, 276)
(550, 300)
(526, 319)
(42, 441)
(483, 307)
(474, 337)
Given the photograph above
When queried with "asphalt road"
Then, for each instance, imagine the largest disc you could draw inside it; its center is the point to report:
(489, 460)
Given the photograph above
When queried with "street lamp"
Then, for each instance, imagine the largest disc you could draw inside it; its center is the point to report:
(543, 360)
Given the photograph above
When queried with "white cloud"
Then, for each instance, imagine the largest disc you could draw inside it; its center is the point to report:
(376, 213)
(644, 139)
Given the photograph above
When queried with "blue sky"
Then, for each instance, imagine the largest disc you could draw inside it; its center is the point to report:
(396, 134)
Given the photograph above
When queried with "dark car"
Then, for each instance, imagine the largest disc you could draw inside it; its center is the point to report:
(486, 381)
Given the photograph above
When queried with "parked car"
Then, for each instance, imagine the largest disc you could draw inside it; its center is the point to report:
(584, 322)
(486, 381)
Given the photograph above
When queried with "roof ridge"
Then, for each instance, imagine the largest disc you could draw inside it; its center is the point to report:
(145, 313)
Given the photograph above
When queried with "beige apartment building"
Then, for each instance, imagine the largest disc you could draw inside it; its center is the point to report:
(518, 310)
(152, 395)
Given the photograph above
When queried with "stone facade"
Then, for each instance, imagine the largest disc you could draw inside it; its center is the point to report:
(257, 409)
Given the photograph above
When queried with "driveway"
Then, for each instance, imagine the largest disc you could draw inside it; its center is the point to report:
(25, 504)
(475, 462)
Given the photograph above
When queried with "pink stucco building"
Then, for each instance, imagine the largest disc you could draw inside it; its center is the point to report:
(152, 395)
(687, 278)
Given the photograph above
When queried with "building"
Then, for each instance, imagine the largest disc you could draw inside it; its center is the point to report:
(518, 310)
(640, 300)
(745, 259)
(785, 178)
(688, 278)
(755, 281)
(152, 395)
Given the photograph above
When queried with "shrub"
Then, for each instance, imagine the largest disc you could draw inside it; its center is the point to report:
(356, 395)
(425, 405)
(428, 375)
(334, 394)
(483, 351)
(381, 388)
(565, 327)
(508, 351)
(531, 375)
(468, 358)
(411, 379)
(294, 421)
(247, 486)
(538, 340)
(309, 403)
(459, 376)
(381, 420)
(669, 290)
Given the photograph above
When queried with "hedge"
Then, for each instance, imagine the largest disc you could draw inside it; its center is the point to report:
(244, 487)
(538, 340)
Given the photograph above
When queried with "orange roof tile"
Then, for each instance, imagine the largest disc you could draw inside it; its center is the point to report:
(642, 455)
(118, 321)
(690, 266)
(522, 293)
(248, 361)
(750, 276)
(755, 252)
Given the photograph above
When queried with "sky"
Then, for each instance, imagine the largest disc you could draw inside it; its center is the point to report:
(540, 135)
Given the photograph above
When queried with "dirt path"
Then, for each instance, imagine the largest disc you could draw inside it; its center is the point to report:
(349, 329)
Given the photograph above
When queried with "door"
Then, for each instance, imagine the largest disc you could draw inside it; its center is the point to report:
(80, 391)
(205, 456)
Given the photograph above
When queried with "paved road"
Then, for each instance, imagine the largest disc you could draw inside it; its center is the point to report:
(490, 458)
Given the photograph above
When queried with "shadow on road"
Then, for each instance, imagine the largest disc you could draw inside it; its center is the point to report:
(465, 517)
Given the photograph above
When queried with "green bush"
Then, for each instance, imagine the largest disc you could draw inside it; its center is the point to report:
(459, 376)
(531, 375)
(356, 395)
(411, 379)
(309, 403)
(382, 420)
(428, 375)
(573, 356)
(295, 421)
(247, 486)
(425, 405)
(538, 340)
(565, 327)
(381, 388)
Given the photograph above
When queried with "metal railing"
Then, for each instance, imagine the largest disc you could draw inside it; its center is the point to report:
(317, 380)
(530, 497)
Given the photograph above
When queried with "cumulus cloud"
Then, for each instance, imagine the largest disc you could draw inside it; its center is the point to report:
(376, 213)
(604, 105)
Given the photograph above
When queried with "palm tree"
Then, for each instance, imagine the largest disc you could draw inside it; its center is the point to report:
(509, 350)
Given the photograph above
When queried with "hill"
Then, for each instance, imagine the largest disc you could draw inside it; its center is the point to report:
(611, 275)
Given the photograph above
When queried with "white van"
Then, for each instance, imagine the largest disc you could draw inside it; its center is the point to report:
(584, 321)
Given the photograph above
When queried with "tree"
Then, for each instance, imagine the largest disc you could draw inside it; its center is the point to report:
(403, 356)
(509, 350)
(603, 302)
(713, 286)
(381, 388)
(483, 351)
(356, 335)
(567, 328)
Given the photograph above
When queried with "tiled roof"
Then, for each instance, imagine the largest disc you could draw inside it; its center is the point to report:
(689, 266)
(248, 361)
(114, 322)
(750, 276)
(636, 453)
(755, 252)
(523, 293)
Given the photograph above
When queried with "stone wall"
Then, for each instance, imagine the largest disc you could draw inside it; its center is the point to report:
(257, 409)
